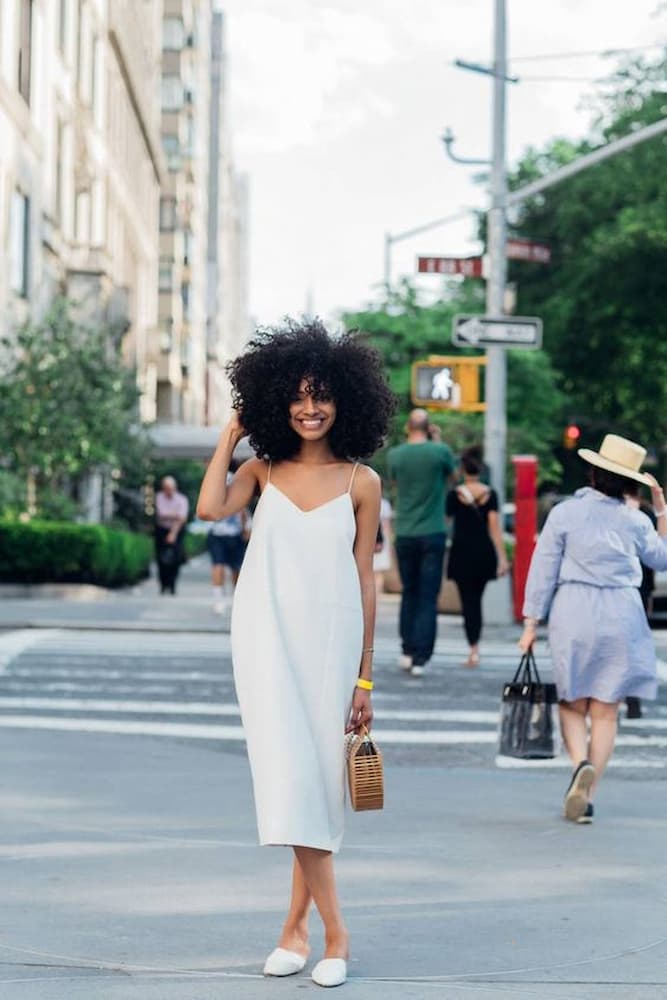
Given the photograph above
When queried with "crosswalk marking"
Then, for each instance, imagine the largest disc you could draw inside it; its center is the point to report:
(180, 686)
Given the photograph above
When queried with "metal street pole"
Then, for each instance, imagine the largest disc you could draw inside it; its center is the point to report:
(495, 425)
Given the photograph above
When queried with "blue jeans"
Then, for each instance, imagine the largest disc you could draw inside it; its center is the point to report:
(420, 560)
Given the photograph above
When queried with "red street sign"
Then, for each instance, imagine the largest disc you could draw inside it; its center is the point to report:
(518, 249)
(470, 267)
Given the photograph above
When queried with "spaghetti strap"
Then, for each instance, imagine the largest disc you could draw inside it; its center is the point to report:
(356, 466)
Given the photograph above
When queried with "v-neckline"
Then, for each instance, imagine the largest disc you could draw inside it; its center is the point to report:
(311, 510)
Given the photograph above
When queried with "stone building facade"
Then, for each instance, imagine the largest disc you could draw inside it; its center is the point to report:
(81, 165)
(114, 159)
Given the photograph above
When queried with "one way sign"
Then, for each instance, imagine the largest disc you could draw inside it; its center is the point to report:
(505, 331)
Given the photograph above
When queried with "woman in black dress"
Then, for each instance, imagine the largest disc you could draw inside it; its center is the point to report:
(477, 554)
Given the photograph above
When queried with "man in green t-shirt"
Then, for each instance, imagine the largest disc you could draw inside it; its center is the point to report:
(419, 469)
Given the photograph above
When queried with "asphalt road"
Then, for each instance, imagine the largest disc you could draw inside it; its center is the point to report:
(128, 853)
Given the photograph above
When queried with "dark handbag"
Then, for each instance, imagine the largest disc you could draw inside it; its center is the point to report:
(527, 720)
(168, 555)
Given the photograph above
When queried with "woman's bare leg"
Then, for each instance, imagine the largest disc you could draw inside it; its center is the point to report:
(573, 727)
(295, 929)
(318, 871)
(604, 723)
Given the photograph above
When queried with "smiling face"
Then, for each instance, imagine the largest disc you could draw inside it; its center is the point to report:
(311, 414)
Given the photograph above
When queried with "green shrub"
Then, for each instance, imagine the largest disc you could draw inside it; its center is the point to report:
(195, 544)
(53, 552)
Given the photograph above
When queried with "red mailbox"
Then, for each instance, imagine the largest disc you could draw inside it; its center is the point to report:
(525, 525)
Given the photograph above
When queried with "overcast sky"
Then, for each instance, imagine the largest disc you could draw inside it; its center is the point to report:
(337, 107)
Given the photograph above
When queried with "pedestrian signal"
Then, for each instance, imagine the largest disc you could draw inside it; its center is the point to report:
(571, 436)
(449, 383)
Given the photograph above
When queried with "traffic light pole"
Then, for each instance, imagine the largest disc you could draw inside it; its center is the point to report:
(495, 424)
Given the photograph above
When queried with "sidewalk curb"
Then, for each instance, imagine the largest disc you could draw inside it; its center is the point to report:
(51, 591)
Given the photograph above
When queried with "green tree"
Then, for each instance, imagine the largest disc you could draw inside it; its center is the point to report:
(404, 330)
(68, 404)
(602, 298)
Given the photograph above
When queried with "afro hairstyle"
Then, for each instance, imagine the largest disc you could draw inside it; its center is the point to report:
(265, 379)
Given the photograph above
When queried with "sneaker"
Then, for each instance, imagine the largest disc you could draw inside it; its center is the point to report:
(405, 661)
(219, 607)
(418, 670)
(576, 797)
(587, 817)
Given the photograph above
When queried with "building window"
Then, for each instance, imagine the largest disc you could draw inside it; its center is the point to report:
(60, 152)
(173, 34)
(62, 25)
(190, 137)
(19, 243)
(25, 50)
(165, 276)
(167, 215)
(94, 80)
(79, 41)
(172, 93)
(188, 245)
(172, 151)
(82, 216)
(186, 298)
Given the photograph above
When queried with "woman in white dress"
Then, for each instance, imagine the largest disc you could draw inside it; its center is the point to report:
(304, 608)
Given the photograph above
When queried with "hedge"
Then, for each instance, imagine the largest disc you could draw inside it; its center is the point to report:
(55, 552)
(194, 544)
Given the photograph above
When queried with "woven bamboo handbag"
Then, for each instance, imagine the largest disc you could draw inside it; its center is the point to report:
(364, 771)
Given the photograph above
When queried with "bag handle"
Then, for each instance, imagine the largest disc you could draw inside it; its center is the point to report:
(527, 666)
(365, 738)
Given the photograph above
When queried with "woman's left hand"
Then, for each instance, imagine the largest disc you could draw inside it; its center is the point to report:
(528, 637)
(503, 567)
(361, 713)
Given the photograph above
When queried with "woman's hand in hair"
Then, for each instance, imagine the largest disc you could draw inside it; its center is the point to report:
(657, 495)
(234, 430)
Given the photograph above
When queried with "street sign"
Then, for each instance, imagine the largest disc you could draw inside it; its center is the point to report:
(469, 267)
(520, 249)
(448, 383)
(505, 331)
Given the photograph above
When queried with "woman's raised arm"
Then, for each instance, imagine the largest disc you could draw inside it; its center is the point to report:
(216, 498)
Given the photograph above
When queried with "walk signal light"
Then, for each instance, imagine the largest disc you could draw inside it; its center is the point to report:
(452, 382)
(571, 436)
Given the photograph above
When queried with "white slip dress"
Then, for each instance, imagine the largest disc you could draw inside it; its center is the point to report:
(297, 633)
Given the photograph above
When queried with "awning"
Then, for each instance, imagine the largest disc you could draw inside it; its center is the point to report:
(191, 441)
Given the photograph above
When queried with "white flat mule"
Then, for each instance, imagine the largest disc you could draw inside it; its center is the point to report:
(330, 972)
(282, 962)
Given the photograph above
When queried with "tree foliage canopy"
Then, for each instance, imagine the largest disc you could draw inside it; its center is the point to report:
(603, 297)
(68, 404)
(405, 330)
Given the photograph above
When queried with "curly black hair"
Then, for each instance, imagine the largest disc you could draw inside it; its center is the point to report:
(266, 377)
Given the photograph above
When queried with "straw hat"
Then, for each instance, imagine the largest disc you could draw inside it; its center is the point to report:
(618, 455)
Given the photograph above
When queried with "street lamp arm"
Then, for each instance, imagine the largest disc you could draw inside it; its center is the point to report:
(486, 70)
(448, 140)
(435, 224)
(585, 161)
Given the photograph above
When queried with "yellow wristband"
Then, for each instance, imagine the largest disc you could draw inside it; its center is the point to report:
(364, 684)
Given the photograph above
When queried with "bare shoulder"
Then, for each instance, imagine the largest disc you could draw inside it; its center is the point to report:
(253, 468)
(367, 483)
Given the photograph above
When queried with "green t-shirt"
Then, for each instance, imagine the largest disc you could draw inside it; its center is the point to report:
(420, 471)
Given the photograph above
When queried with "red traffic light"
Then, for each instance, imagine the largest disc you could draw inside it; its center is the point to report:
(571, 436)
